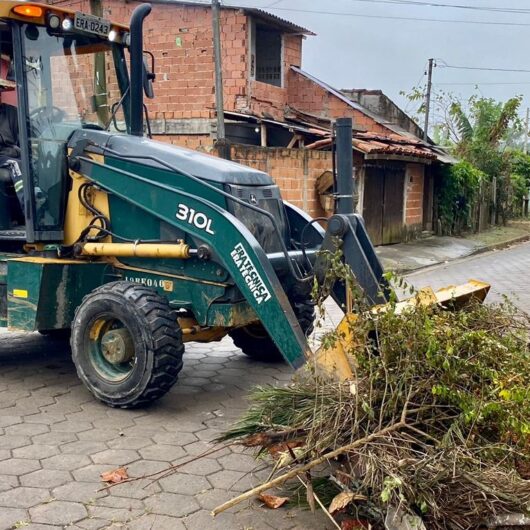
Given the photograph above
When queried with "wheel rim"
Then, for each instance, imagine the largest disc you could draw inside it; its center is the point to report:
(111, 349)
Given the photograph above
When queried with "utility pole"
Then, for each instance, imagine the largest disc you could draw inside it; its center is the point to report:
(526, 125)
(428, 101)
(219, 105)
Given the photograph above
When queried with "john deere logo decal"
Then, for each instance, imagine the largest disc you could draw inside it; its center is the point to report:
(250, 274)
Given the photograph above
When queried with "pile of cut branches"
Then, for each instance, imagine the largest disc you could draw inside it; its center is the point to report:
(436, 422)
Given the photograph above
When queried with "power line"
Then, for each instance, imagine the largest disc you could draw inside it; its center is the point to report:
(453, 6)
(484, 84)
(442, 64)
(387, 17)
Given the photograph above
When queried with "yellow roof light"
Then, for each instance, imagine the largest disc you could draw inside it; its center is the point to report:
(28, 11)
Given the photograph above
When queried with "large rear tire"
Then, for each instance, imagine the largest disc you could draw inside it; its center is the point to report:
(126, 344)
(254, 341)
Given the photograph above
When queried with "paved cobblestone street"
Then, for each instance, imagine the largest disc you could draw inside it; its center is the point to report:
(508, 272)
(55, 439)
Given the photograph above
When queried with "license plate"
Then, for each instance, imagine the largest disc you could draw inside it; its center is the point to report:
(91, 24)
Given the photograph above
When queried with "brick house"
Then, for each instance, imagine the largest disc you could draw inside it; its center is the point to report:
(278, 117)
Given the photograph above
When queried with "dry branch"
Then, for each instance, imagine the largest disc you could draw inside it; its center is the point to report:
(306, 467)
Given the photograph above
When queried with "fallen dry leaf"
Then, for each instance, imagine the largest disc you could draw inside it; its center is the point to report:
(342, 500)
(116, 475)
(273, 501)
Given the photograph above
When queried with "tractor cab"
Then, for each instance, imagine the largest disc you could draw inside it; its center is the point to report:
(60, 72)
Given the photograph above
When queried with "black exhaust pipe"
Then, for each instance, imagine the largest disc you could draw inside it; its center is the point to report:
(345, 185)
(137, 69)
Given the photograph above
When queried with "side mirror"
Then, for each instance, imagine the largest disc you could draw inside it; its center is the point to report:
(149, 74)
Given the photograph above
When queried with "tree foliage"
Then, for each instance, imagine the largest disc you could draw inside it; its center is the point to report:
(459, 189)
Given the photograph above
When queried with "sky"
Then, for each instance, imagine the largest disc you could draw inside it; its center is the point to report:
(391, 54)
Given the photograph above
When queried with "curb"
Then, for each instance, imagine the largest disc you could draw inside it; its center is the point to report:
(475, 252)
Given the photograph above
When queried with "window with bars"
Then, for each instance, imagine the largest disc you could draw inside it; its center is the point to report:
(266, 65)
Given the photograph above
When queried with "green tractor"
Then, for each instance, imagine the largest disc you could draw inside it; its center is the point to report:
(136, 246)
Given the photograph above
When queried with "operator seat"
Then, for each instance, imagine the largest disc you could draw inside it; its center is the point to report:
(11, 215)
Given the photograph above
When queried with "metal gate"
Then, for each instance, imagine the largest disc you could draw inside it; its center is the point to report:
(384, 188)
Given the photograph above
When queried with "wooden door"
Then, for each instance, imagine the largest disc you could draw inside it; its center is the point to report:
(383, 203)
(373, 201)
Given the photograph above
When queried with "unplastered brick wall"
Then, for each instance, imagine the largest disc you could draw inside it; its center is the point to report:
(181, 39)
(271, 100)
(294, 170)
(414, 196)
(309, 97)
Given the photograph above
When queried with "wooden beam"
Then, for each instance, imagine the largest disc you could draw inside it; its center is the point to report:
(292, 142)
(263, 135)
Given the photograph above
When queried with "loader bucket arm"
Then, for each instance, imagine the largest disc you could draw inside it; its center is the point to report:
(236, 247)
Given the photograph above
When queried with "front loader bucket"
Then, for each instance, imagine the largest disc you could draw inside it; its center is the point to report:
(334, 360)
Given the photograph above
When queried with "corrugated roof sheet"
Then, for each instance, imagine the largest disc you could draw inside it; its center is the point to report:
(287, 25)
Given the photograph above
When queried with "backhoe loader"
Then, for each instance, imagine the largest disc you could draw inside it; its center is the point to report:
(136, 247)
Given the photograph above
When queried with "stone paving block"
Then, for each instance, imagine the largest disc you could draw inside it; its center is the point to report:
(114, 514)
(239, 462)
(141, 431)
(163, 452)
(7, 420)
(129, 442)
(99, 435)
(138, 489)
(27, 429)
(202, 466)
(212, 498)
(203, 520)
(37, 526)
(184, 484)
(58, 513)
(141, 468)
(231, 480)
(67, 462)
(46, 478)
(44, 417)
(54, 438)
(94, 524)
(19, 466)
(5, 453)
(72, 426)
(24, 497)
(200, 447)
(117, 457)
(125, 503)
(8, 481)
(91, 473)
(175, 438)
(36, 451)
(84, 492)
(171, 504)
(10, 517)
(158, 522)
(83, 447)
(13, 441)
